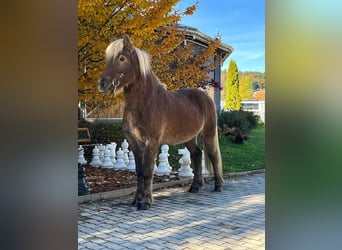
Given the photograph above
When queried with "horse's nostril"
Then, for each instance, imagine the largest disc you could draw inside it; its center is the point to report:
(101, 82)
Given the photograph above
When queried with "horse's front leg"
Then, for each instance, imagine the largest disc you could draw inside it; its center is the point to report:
(144, 195)
(140, 181)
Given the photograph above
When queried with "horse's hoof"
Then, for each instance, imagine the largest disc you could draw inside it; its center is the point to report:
(134, 203)
(217, 189)
(193, 189)
(143, 206)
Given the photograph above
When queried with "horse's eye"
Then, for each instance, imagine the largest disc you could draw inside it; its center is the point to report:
(122, 58)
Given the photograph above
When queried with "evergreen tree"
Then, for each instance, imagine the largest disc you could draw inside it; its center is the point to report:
(232, 99)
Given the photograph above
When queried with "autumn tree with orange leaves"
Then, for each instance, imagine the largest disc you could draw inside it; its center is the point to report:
(152, 26)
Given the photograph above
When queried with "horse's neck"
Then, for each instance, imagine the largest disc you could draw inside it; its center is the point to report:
(139, 92)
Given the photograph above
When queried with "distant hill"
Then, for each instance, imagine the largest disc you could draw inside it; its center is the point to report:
(257, 78)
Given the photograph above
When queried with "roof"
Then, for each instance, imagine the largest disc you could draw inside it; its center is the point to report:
(195, 35)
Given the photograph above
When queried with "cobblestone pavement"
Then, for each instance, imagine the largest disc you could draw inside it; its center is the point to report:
(232, 219)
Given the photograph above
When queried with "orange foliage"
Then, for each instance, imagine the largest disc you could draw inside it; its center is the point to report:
(151, 26)
(260, 95)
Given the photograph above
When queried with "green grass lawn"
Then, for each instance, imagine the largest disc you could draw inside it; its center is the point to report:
(235, 157)
(243, 157)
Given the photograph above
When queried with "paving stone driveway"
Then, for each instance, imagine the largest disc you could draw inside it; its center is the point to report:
(232, 219)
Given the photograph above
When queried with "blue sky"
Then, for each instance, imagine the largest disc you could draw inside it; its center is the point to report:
(241, 24)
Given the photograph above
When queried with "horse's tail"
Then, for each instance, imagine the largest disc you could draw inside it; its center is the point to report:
(219, 164)
(208, 164)
(216, 151)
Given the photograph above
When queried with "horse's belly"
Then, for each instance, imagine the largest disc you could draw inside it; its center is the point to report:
(180, 133)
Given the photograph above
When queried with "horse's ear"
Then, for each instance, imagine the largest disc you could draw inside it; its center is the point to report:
(113, 38)
(127, 43)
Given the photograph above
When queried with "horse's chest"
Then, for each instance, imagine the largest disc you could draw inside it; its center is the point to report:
(132, 129)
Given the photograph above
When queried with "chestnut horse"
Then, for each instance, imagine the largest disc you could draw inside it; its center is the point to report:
(154, 116)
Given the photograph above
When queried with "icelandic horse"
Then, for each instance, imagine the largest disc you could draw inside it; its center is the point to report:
(155, 116)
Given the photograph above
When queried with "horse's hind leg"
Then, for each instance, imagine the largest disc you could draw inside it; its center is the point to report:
(212, 150)
(196, 156)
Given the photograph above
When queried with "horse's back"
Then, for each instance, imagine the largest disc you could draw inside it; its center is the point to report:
(198, 98)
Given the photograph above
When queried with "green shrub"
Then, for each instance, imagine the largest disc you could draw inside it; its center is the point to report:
(104, 132)
(237, 124)
(101, 133)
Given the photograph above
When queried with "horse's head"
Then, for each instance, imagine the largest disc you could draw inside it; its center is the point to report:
(125, 64)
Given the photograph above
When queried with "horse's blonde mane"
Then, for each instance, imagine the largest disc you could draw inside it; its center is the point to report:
(117, 46)
(114, 49)
(144, 61)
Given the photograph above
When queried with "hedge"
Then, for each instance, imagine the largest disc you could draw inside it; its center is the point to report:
(237, 124)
